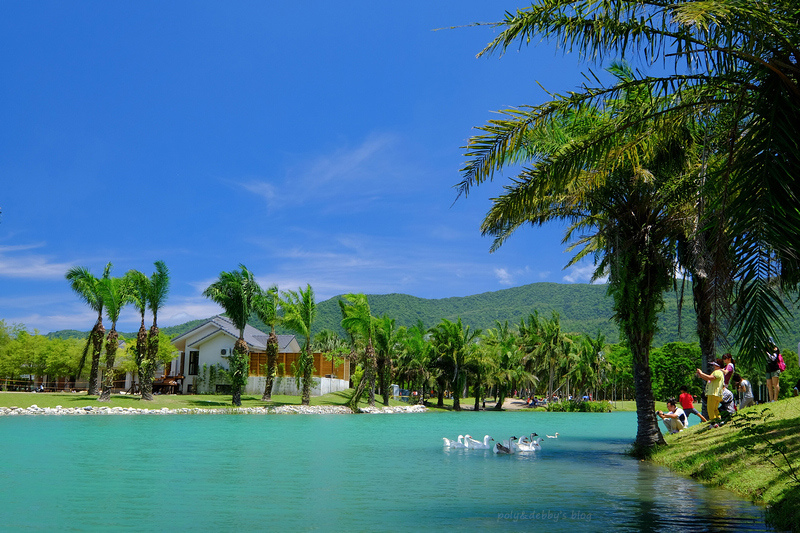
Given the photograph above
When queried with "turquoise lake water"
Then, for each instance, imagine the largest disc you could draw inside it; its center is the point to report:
(344, 472)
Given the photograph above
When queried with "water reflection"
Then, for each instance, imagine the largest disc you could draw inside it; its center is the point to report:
(359, 473)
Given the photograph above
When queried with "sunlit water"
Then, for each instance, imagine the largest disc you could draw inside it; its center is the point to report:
(345, 472)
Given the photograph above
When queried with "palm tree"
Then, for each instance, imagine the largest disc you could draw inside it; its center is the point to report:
(743, 74)
(235, 292)
(139, 291)
(415, 359)
(509, 368)
(156, 298)
(266, 305)
(87, 287)
(300, 311)
(385, 341)
(481, 366)
(116, 293)
(332, 347)
(357, 320)
(453, 342)
(623, 192)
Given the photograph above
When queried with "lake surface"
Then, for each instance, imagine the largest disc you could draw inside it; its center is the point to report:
(344, 472)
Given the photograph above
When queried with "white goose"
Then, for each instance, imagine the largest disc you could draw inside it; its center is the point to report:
(454, 443)
(553, 436)
(529, 444)
(473, 444)
(507, 447)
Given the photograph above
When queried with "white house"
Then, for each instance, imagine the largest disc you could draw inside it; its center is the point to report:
(209, 344)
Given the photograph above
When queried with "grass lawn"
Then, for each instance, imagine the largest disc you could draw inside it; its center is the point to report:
(172, 401)
(748, 464)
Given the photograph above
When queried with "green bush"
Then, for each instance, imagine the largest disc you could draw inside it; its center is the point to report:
(579, 406)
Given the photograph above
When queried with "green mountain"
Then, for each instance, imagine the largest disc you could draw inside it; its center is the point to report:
(582, 308)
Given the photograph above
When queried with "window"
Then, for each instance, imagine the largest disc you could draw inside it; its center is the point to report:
(194, 362)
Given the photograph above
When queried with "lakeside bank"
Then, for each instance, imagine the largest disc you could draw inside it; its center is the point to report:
(755, 455)
(35, 410)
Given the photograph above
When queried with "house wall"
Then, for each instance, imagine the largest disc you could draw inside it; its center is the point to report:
(287, 385)
(210, 354)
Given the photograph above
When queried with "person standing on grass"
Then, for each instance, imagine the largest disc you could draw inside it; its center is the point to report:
(715, 383)
(745, 390)
(676, 419)
(773, 374)
(687, 404)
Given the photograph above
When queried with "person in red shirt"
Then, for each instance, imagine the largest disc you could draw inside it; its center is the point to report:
(687, 404)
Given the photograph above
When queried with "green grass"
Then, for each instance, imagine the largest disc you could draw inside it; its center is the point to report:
(172, 401)
(729, 457)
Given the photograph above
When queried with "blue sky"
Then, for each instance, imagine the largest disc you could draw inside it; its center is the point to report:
(314, 142)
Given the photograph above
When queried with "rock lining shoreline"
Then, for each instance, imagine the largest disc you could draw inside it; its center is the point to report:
(280, 410)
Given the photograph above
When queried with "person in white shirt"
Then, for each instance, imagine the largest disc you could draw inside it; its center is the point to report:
(675, 420)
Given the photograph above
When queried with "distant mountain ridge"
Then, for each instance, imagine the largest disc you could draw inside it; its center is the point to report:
(582, 308)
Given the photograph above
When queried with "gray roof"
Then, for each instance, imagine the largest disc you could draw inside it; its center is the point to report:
(255, 338)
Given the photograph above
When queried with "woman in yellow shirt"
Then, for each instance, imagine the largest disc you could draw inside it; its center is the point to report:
(714, 386)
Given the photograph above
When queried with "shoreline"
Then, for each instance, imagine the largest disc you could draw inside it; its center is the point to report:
(89, 410)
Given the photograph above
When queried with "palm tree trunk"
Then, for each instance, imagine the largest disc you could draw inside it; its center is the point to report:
(98, 332)
(141, 351)
(308, 373)
(272, 364)
(112, 342)
(703, 304)
(149, 364)
(239, 365)
(371, 371)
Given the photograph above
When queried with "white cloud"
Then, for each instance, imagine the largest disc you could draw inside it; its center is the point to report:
(503, 276)
(261, 188)
(583, 274)
(31, 266)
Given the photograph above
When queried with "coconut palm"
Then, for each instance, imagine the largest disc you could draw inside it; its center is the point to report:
(480, 365)
(266, 306)
(156, 298)
(332, 347)
(87, 287)
(623, 192)
(300, 311)
(116, 293)
(734, 62)
(508, 369)
(453, 343)
(385, 348)
(235, 292)
(139, 290)
(358, 321)
(415, 358)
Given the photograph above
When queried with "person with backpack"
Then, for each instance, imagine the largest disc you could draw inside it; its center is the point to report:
(774, 359)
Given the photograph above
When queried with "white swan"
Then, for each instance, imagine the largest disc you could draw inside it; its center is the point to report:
(454, 443)
(507, 447)
(473, 444)
(553, 436)
(529, 444)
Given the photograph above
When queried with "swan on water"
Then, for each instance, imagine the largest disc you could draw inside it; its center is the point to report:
(553, 436)
(529, 444)
(471, 443)
(506, 447)
(454, 443)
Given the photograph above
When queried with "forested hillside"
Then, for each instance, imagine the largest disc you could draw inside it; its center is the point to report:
(582, 308)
